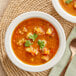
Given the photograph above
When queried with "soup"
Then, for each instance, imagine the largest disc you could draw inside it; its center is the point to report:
(69, 6)
(35, 41)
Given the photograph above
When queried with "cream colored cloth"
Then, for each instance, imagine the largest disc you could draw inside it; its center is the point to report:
(71, 71)
(3, 4)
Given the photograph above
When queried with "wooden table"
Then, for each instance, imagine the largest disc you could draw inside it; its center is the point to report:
(3, 5)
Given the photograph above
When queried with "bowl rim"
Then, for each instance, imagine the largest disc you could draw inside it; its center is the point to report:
(62, 12)
(50, 63)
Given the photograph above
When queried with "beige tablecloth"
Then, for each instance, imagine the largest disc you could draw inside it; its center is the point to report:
(3, 5)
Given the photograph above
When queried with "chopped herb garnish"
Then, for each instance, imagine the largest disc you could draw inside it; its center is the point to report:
(41, 44)
(68, 1)
(33, 37)
(28, 43)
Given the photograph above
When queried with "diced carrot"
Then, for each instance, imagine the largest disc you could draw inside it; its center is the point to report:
(52, 51)
(46, 51)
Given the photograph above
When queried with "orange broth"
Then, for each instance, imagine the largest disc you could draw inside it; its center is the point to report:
(20, 50)
(69, 7)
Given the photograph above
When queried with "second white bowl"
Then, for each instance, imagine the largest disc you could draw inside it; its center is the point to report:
(62, 12)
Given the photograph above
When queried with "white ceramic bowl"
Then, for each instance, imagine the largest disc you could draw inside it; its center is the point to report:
(19, 63)
(62, 12)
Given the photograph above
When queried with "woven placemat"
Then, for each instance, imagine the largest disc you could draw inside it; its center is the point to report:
(15, 8)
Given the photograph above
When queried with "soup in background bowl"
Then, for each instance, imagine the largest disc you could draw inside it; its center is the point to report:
(69, 6)
(66, 9)
(35, 41)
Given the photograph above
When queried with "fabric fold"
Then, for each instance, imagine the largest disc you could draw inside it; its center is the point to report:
(56, 71)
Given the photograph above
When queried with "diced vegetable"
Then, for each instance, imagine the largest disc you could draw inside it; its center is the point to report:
(29, 49)
(22, 30)
(32, 59)
(29, 35)
(49, 31)
(21, 41)
(45, 51)
(68, 1)
(28, 43)
(33, 37)
(45, 57)
(32, 51)
(41, 44)
(74, 4)
(39, 30)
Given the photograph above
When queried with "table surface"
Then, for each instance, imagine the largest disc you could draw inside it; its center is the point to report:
(3, 5)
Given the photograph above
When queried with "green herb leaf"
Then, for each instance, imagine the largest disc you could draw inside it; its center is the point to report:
(33, 37)
(28, 43)
(68, 1)
(41, 44)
